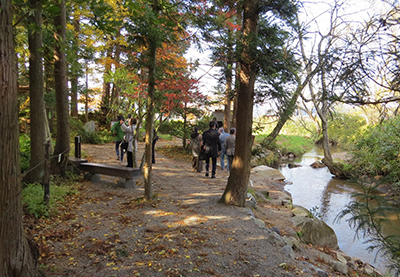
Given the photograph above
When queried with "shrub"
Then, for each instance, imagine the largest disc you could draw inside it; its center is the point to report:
(376, 151)
(25, 149)
(175, 127)
(344, 128)
(32, 198)
(33, 195)
(77, 129)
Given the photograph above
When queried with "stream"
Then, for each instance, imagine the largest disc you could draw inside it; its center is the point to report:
(316, 190)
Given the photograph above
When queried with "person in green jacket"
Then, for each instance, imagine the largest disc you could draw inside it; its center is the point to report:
(117, 132)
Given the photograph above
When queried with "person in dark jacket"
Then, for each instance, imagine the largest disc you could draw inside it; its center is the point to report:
(195, 142)
(212, 146)
(116, 131)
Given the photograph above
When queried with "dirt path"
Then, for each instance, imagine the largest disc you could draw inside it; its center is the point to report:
(112, 231)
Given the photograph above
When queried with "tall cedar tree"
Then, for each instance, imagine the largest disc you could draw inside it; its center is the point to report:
(36, 86)
(61, 150)
(235, 191)
(17, 255)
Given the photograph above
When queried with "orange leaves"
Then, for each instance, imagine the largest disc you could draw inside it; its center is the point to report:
(233, 26)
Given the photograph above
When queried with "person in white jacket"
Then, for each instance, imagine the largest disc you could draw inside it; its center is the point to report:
(129, 137)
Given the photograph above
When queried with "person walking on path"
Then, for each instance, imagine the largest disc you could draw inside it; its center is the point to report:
(222, 136)
(195, 142)
(230, 147)
(117, 132)
(212, 146)
(129, 137)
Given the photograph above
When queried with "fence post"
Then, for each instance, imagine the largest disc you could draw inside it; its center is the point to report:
(78, 147)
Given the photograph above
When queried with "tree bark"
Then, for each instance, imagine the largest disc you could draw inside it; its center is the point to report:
(74, 69)
(148, 189)
(116, 92)
(36, 85)
(228, 99)
(61, 149)
(235, 97)
(236, 189)
(322, 110)
(237, 73)
(106, 96)
(228, 90)
(17, 258)
(289, 108)
(185, 131)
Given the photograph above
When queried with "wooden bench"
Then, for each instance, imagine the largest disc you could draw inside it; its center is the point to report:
(127, 174)
(74, 164)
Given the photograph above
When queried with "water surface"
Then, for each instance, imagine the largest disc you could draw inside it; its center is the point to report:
(315, 189)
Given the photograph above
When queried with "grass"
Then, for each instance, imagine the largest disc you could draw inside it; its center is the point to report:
(285, 144)
(289, 144)
(166, 137)
(294, 144)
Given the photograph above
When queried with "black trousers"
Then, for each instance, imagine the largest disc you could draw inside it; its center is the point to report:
(214, 165)
(129, 156)
(153, 157)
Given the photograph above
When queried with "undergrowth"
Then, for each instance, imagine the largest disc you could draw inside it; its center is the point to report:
(33, 196)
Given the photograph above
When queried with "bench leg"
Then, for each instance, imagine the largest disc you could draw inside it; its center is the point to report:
(126, 183)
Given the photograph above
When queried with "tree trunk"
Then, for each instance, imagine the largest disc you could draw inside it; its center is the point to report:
(87, 98)
(49, 88)
(228, 91)
(36, 85)
(290, 107)
(74, 95)
(235, 98)
(106, 96)
(237, 71)
(61, 150)
(185, 132)
(116, 92)
(334, 168)
(236, 189)
(74, 71)
(148, 189)
(17, 256)
(322, 110)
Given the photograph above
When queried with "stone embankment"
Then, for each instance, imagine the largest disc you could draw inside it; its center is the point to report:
(293, 228)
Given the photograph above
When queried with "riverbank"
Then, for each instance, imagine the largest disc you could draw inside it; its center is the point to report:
(104, 230)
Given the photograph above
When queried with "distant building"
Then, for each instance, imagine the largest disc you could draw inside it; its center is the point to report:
(218, 115)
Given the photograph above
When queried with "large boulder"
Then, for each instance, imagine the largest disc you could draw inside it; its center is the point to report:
(316, 232)
(317, 164)
(268, 173)
(90, 126)
(300, 211)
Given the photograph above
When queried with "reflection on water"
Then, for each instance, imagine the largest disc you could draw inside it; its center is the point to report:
(313, 188)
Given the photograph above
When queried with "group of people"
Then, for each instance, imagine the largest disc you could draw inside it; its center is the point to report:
(211, 145)
(126, 132)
